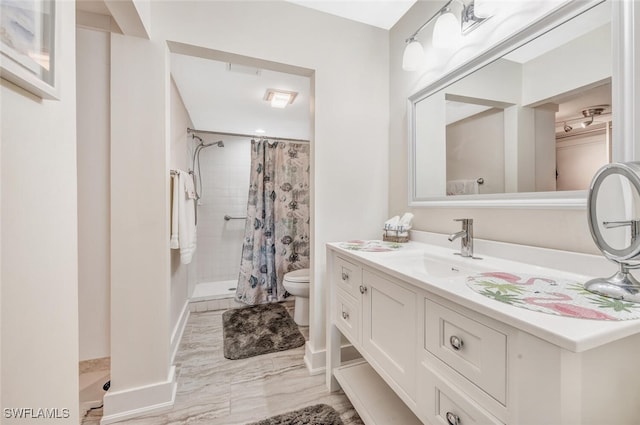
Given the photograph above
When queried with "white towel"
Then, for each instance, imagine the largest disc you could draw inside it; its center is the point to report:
(405, 221)
(392, 223)
(462, 187)
(183, 218)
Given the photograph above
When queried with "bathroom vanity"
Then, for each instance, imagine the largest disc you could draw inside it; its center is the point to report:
(434, 351)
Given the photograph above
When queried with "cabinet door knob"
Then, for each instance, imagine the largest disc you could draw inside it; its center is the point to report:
(345, 276)
(456, 342)
(453, 419)
(363, 289)
(345, 315)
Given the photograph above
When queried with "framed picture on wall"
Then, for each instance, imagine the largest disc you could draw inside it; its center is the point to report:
(28, 37)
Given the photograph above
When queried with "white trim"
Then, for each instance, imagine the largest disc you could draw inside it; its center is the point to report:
(542, 200)
(314, 360)
(624, 88)
(178, 330)
(133, 402)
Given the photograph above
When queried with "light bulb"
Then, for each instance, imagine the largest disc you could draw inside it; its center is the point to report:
(446, 32)
(413, 55)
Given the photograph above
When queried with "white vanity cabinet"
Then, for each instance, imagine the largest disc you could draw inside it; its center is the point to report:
(378, 316)
(433, 359)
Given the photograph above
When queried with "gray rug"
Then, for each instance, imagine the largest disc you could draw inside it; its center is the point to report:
(260, 329)
(320, 414)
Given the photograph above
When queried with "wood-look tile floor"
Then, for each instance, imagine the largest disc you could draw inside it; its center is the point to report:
(213, 390)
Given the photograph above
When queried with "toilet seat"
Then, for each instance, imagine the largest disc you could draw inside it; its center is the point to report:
(301, 276)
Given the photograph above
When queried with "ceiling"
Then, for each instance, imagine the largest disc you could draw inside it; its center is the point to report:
(378, 13)
(230, 98)
(232, 101)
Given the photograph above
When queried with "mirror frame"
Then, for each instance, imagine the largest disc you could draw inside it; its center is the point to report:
(623, 66)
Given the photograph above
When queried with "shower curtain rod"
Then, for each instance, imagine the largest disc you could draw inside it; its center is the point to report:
(253, 136)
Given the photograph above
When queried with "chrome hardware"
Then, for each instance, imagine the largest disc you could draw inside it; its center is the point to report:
(466, 235)
(345, 276)
(456, 342)
(363, 289)
(345, 315)
(452, 418)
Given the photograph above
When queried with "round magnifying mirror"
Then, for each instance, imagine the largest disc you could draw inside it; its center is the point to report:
(614, 221)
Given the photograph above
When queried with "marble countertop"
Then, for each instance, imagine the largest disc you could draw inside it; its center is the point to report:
(411, 261)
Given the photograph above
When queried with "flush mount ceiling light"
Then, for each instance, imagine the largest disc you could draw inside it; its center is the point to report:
(280, 98)
(447, 31)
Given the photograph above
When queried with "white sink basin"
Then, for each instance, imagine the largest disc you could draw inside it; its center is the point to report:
(442, 266)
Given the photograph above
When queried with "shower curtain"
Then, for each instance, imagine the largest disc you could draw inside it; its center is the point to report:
(276, 237)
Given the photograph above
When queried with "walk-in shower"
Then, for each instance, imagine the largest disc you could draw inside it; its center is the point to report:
(221, 179)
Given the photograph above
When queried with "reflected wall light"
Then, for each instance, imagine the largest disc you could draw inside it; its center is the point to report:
(447, 32)
(485, 8)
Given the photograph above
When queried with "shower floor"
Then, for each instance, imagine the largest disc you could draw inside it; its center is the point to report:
(206, 291)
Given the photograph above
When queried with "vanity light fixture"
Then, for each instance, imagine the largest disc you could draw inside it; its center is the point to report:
(485, 8)
(280, 98)
(567, 128)
(447, 31)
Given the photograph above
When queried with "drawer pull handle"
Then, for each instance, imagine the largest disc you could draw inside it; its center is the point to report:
(363, 289)
(345, 276)
(456, 342)
(345, 315)
(453, 419)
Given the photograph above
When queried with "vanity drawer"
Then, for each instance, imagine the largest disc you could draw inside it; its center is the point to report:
(476, 351)
(347, 316)
(348, 276)
(443, 404)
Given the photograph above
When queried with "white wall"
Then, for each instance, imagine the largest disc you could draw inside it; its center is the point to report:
(141, 375)
(566, 229)
(472, 157)
(182, 275)
(225, 190)
(39, 242)
(93, 130)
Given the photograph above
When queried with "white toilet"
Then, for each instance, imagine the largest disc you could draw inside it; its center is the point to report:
(297, 284)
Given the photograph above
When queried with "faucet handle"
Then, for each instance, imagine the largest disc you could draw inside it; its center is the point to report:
(464, 220)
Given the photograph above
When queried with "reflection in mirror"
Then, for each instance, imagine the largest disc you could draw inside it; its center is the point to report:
(617, 202)
(537, 119)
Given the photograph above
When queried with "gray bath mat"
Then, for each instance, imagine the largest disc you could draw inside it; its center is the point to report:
(320, 414)
(261, 329)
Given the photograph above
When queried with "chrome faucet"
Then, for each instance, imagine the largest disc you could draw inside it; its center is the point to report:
(466, 235)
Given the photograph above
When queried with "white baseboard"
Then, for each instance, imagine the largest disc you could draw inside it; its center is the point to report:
(178, 330)
(133, 402)
(316, 361)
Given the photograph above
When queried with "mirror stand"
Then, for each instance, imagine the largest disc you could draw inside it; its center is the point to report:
(622, 285)
(613, 207)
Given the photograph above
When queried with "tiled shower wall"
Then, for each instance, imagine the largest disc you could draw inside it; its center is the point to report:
(225, 185)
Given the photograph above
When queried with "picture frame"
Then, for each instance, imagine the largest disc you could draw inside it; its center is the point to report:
(28, 45)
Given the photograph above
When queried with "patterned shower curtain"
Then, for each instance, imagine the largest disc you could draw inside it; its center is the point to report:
(276, 237)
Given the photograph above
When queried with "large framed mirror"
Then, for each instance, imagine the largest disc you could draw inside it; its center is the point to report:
(527, 124)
